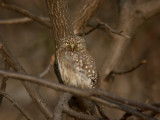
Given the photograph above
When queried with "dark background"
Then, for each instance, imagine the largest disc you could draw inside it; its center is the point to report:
(32, 44)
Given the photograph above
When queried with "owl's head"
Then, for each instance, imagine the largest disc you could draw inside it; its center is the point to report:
(73, 43)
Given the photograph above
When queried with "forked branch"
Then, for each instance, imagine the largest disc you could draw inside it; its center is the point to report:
(84, 14)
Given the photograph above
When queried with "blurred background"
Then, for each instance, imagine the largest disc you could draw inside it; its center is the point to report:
(33, 44)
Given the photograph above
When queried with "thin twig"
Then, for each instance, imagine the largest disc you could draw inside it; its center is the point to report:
(23, 112)
(112, 73)
(130, 70)
(51, 63)
(89, 31)
(111, 29)
(25, 13)
(23, 20)
(3, 84)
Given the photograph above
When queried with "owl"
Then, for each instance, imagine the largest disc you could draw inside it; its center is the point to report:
(74, 66)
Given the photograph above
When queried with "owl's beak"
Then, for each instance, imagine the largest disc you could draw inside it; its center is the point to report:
(72, 46)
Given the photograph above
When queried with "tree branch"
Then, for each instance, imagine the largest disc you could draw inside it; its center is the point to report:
(62, 103)
(112, 73)
(25, 13)
(60, 19)
(84, 14)
(48, 67)
(120, 103)
(24, 20)
(35, 95)
(79, 115)
(15, 104)
(3, 84)
(112, 30)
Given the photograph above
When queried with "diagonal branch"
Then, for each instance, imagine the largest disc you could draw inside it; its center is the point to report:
(84, 14)
(34, 93)
(24, 20)
(15, 104)
(25, 13)
(102, 96)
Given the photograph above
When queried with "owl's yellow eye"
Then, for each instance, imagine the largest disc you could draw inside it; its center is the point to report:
(66, 43)
(78, 44)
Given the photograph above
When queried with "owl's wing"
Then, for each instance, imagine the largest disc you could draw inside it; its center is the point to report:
(56, 69)
(87, 65)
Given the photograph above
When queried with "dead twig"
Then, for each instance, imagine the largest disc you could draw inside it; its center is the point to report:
(23, 20)
(25, 13)
(48, 67)
(89, 31)
(3, 84)
(112, 30)
(112, 73)
(15, 104)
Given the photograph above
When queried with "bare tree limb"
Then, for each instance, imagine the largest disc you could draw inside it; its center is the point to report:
(63, 101)
(117, 105)
(24, 20)
(25, 13)
(89, 93)
(35, 95)
(63, 106)
(79, 115)
(101, 111)
(81, 19)
(60, 19)
(15, 104)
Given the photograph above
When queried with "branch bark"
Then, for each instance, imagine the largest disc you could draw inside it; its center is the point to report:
(60, 19)
(63, 102)
(84, 14)
(96, 95)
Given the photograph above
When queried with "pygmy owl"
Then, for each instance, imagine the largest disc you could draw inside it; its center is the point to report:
(74, 66)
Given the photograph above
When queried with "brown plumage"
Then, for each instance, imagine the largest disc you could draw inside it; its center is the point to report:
(74, 65)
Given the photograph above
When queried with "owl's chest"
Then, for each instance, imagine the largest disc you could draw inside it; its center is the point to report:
(71, 72)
